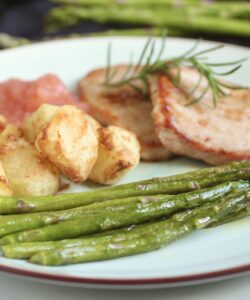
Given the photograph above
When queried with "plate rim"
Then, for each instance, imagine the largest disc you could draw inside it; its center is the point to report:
(44, 43)
(139, 282)
(175, 280)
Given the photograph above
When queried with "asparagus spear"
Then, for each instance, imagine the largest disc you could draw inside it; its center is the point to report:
(7, 41)
(234, 217)
(153, 31)
(127, 2)
(198, 20)
(124, 214)
(145, 206)
(181, 183)
(152, 237)
(26, 250)
(153, 3)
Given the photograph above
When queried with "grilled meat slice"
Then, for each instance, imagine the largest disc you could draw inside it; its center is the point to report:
(125, 107)
(215, 135)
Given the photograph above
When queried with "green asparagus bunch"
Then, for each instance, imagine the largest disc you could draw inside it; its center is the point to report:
(123, 220)
(139, 239)
(28, 249)
(106, 215)
(189, 16)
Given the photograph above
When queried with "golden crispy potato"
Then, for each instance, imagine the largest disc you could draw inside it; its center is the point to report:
(5, 189)
(118, 152)
(28, 173)
(9, 135)
(33, 123)
(70, 141)
(95, 123)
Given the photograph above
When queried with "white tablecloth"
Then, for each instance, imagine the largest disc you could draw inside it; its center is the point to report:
(14, 288)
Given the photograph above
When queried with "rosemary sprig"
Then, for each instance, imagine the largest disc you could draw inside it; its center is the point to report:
(193, 58)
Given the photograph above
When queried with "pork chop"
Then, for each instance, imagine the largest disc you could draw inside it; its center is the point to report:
(125, 107)
(216, 135)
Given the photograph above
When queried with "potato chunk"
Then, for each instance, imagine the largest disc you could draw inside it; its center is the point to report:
(27, 173)
(70, 141)
(8, 138)
(5, 189)
(33, 123)
(95, 123)
(9, 134)
(119, 152)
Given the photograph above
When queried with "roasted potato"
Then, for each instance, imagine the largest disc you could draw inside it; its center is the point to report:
(9, 134)
(5, 189)
(70, 141)
(28, 173)
(95, 123)
(33, 123)
(118, 152)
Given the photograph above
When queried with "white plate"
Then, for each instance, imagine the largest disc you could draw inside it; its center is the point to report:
(211, 254)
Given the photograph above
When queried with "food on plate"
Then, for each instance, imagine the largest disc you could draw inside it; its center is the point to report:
(195, 113)
(215, 135)
(119, 212)
(28, 173)
(109, 214)
(118, 153)
(68, 138)
(212, 206)
(34, 122)
(124, 107)
(23, 170)
(27, 250)
(176, 184)
(19, 98)
(148, 237)
(5, 189)
(118, 149)
(94, 122)
(70, 142)
(172, 106)
(9, 135)
(136, 239)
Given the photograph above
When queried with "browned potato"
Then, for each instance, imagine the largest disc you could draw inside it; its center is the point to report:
(95, 123)
(5, 189)
(9, 134)
(28, 173)
(70, 141)
(33, 123)
(118, 152)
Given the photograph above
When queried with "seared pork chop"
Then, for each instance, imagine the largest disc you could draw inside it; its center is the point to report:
(125, 107)
(215, 135)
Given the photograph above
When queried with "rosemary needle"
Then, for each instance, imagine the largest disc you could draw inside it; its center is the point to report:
(191, 58)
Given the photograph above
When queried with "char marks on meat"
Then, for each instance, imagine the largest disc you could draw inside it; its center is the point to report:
(123, 106)
(215, 135)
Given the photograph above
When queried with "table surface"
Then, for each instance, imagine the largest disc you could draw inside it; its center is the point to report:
(12, 288)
